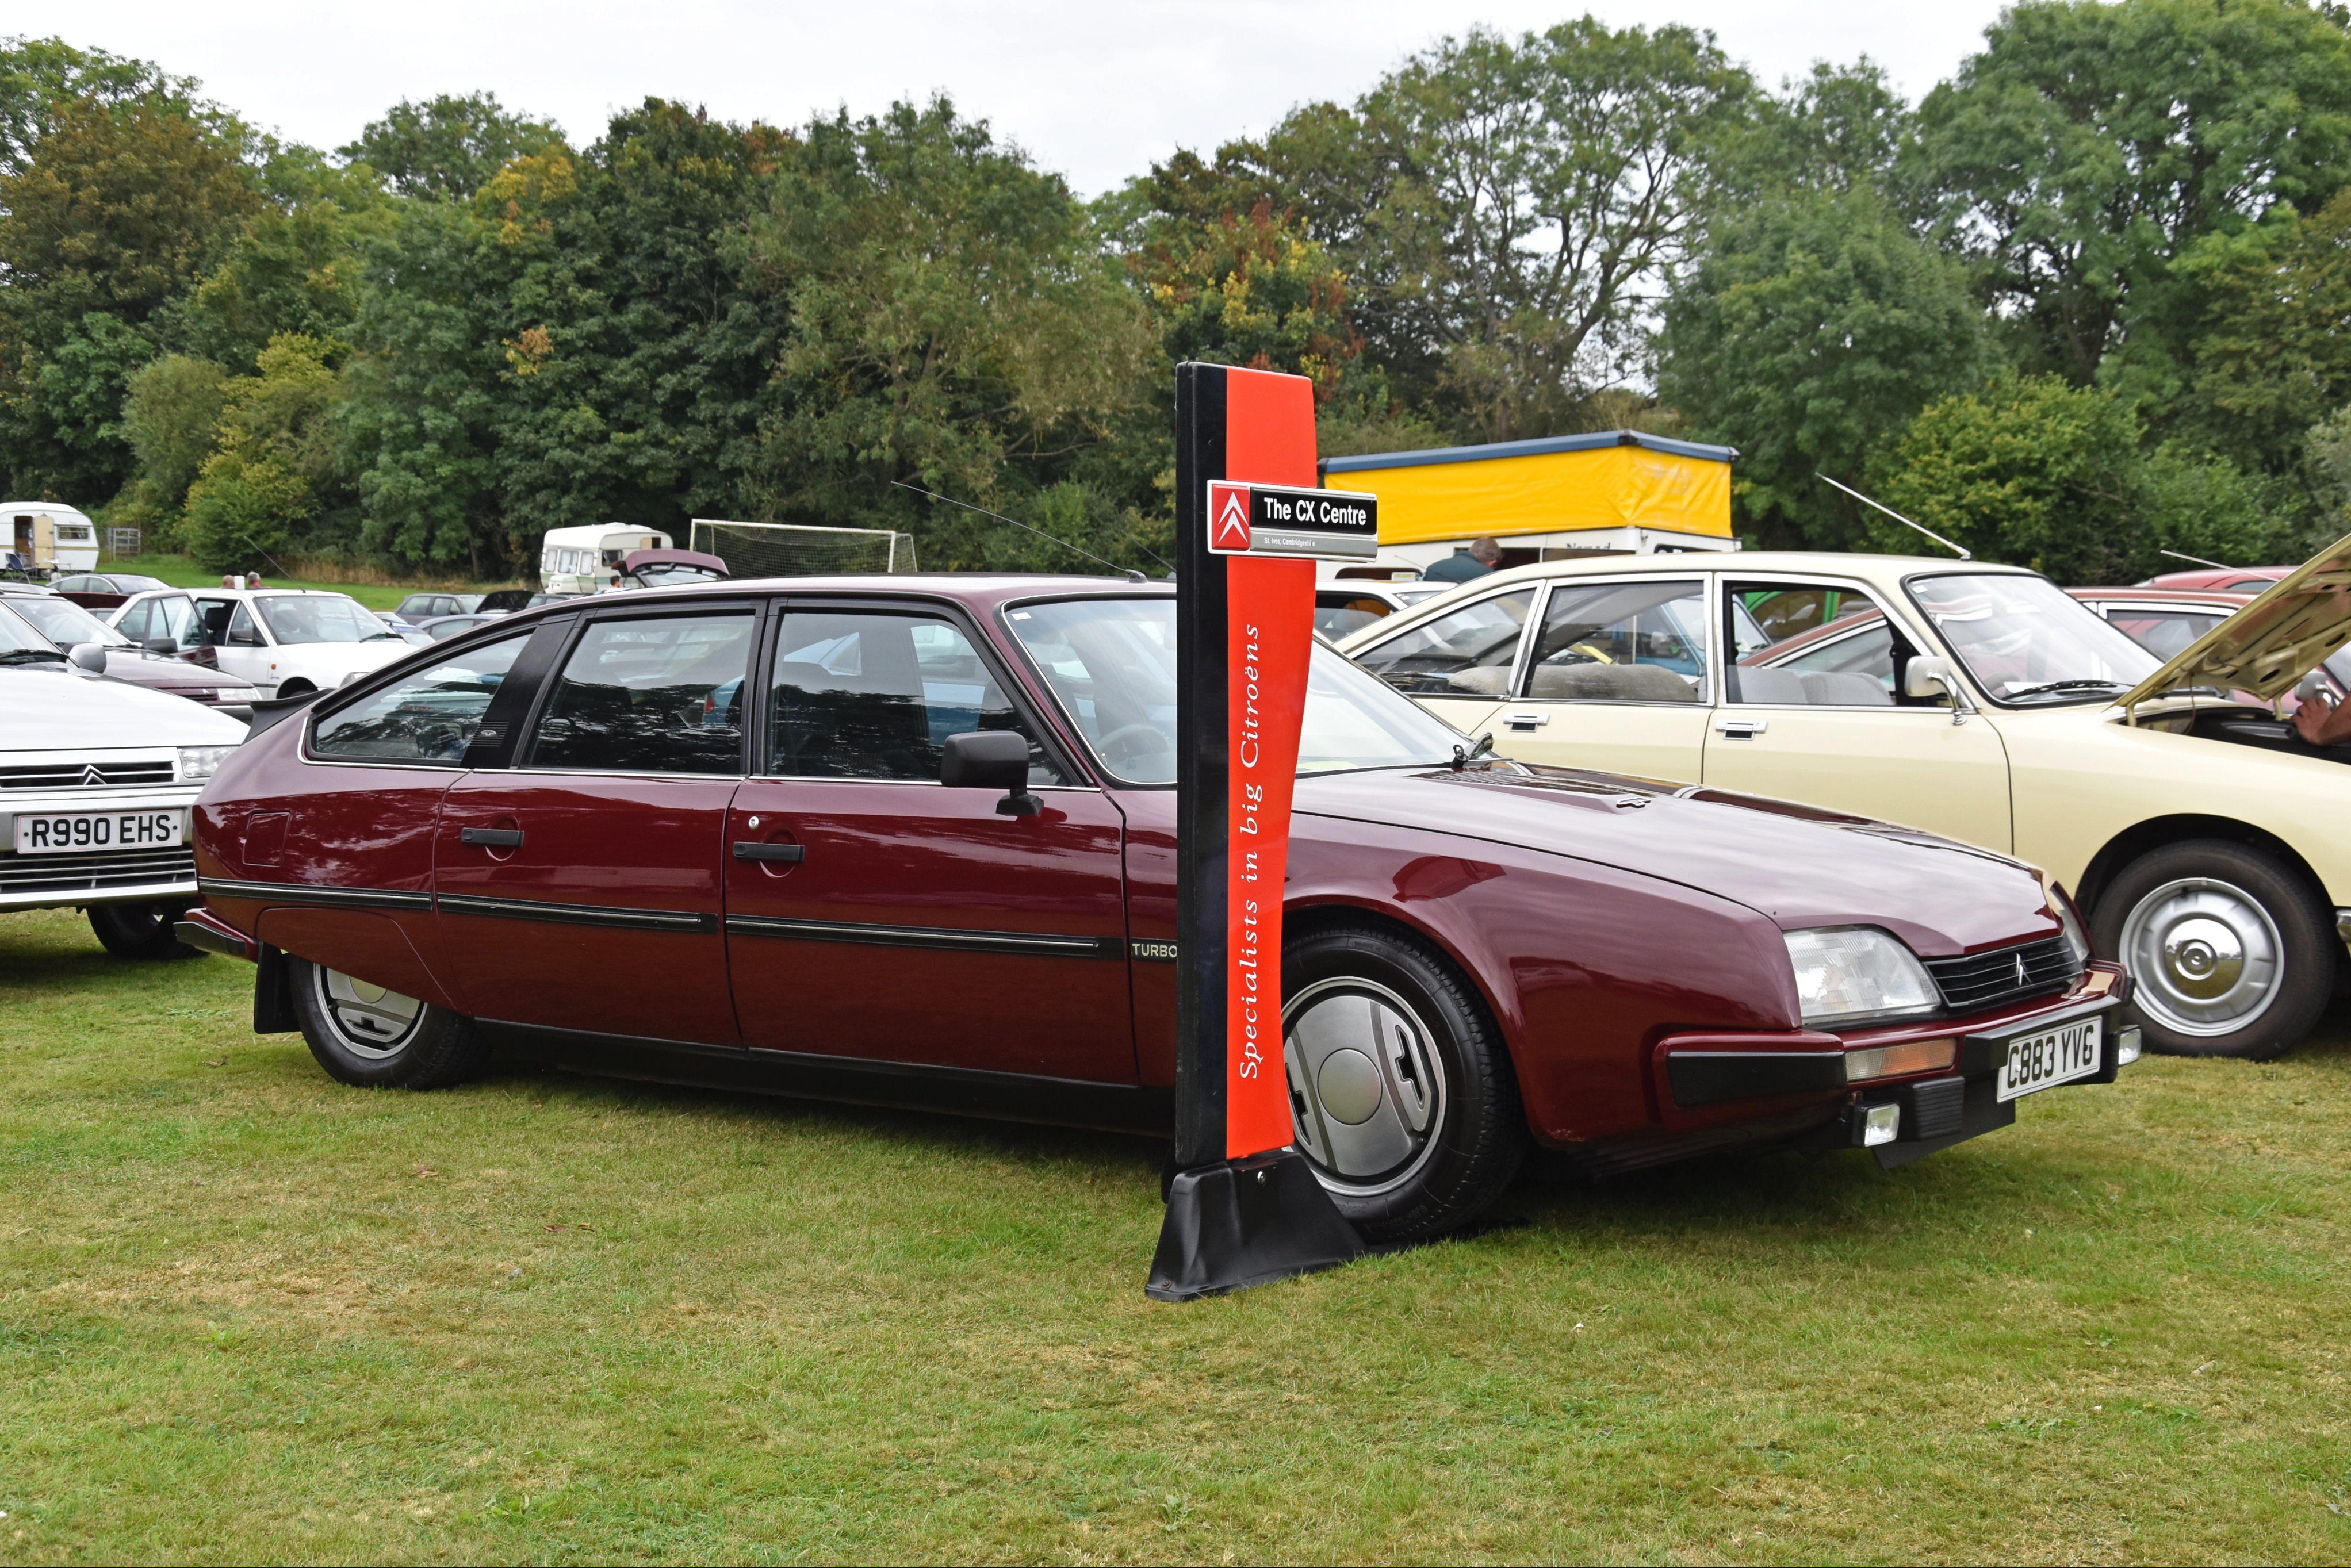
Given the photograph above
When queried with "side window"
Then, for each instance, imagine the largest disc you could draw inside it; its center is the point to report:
(242, 631)
(1813, 646)
(134, 620)
(1465, 652)
(175, 617)
(429, 718)
(875, 694)
(2166, 633)
(659, 695)
(1339, 614)
(1621, 641)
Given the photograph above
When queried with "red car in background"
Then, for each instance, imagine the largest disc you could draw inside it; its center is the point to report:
(2245, 579)
(2165, 620)
(911, 840)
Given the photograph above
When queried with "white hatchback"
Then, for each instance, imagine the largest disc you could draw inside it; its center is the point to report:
(288, 641)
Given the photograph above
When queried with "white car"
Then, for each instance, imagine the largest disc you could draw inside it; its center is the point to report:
(96, 782)
(288, 641)
(1344, 606)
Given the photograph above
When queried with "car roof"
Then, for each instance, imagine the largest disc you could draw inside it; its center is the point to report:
(2212, 597)
(978, 589)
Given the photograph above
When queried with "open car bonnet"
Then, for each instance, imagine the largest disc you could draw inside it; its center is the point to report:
(2272, 642)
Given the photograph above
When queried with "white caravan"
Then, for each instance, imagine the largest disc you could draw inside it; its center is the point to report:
(45, 537)
(582, 559)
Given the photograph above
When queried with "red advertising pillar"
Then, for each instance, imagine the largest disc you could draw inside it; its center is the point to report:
(1244, 1208)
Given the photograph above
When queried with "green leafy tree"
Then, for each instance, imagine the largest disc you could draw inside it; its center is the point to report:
(275, 466)
(1808, 329)
(449, 147)
(954, 323)
(2276, 357)
(2096, 158)
(295, 265)
(37, 75)
(168, 415)
(2032, 471)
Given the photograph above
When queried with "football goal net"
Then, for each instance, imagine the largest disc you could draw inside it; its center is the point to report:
(791, 550)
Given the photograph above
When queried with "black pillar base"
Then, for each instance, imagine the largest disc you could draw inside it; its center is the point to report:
(1247, 1222)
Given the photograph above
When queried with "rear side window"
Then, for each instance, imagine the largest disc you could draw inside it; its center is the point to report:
(874, 694)
(659, 695)
(428, 718)
(1621, 641)
(1466, 653)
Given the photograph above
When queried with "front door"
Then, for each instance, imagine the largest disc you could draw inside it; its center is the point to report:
(1815, 712)
(239, 647)
(581, 889)
(1616, 680)
(872, 912)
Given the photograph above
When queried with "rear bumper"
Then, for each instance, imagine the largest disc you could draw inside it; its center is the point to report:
(204, 930)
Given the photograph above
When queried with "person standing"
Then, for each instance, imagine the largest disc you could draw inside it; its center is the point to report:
(1466, 566)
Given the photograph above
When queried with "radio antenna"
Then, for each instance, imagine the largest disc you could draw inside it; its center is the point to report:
(2199, 559)
(1960, 550)
(1041, 533)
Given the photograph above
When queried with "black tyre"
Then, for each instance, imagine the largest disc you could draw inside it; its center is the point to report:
(141, 930)
(375, 1038)
(1401, 1093)
(2229, 953)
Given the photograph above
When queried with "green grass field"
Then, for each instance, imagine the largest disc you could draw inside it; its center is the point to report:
(181, 572)
(249, 1315)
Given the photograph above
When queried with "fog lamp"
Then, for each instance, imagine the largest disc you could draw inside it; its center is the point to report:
(1893, 1061)
(1879, 1125)
(2126, 1045)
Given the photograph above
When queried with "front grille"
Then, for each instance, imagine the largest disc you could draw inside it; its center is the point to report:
(94, 874)
(1983, 980)
(71, 774)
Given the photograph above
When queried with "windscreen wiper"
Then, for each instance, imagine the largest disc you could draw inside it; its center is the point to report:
(2074, 686)
(29, 655)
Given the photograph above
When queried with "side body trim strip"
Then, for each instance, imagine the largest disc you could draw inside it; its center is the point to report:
(926, 937)
(579, 914)
(310, 892)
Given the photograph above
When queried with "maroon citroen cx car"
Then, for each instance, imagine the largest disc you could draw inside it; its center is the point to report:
(764, 834)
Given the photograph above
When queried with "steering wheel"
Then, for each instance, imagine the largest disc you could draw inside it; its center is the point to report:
(1111, 749)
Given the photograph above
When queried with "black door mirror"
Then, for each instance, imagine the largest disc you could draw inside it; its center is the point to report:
(991, 760)
(161, 647)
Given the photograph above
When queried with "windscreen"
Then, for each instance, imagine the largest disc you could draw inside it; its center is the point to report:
(2026, 641)
(1112, 665)
(64, 622)
(327, 618)
(19, 642)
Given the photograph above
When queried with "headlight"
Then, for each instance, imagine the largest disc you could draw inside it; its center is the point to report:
(1852, 974)
(2061, 905)
(202, 761)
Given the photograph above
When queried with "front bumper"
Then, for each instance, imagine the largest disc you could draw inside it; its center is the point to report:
(1728, 1077)
(106, 876)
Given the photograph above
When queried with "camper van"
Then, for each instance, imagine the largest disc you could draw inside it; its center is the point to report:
(46, 539)
(583, 559)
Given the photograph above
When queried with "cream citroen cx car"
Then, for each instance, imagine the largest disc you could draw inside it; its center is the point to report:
(2210, 844)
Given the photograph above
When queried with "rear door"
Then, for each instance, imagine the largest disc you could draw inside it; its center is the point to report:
(580, 889)
(1617, 678)
(1460, 664)
(872, 912)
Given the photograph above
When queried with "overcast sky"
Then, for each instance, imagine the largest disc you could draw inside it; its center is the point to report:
(1096, 91)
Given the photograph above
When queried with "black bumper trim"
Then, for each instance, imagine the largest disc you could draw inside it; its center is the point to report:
(312, 894)
(601, 916)
(1037, 942)
(1711, 1077)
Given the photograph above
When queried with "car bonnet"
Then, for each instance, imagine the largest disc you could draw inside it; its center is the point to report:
(2273, 641)
(1796, 864)
(51, 710)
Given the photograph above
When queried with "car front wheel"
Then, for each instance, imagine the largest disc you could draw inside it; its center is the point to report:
(365, 1035)
(2229, 953)
(1401, 1093)
(139, 930)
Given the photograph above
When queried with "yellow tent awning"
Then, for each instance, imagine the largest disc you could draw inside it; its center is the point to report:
(1612, 479)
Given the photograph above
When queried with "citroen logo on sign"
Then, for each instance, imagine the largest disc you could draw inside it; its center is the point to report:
(90, 775)
(1230, 528)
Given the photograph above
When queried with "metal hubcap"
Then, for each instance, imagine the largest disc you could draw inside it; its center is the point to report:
(2206, 955)
(1366, 1085)
(373, 1022)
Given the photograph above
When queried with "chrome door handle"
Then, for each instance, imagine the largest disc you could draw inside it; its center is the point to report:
(1525, 720)
(1742, 728)
(792, 853)
(493, 838)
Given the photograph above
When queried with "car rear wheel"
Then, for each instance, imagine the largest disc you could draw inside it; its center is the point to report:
(1401, 1094)
(365, 1035)
(141, 930)
(2229, 953)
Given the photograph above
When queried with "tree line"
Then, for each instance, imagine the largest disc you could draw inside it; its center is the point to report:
(2082, 303)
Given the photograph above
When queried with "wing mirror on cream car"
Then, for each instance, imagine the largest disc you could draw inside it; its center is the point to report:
(1929, 675)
